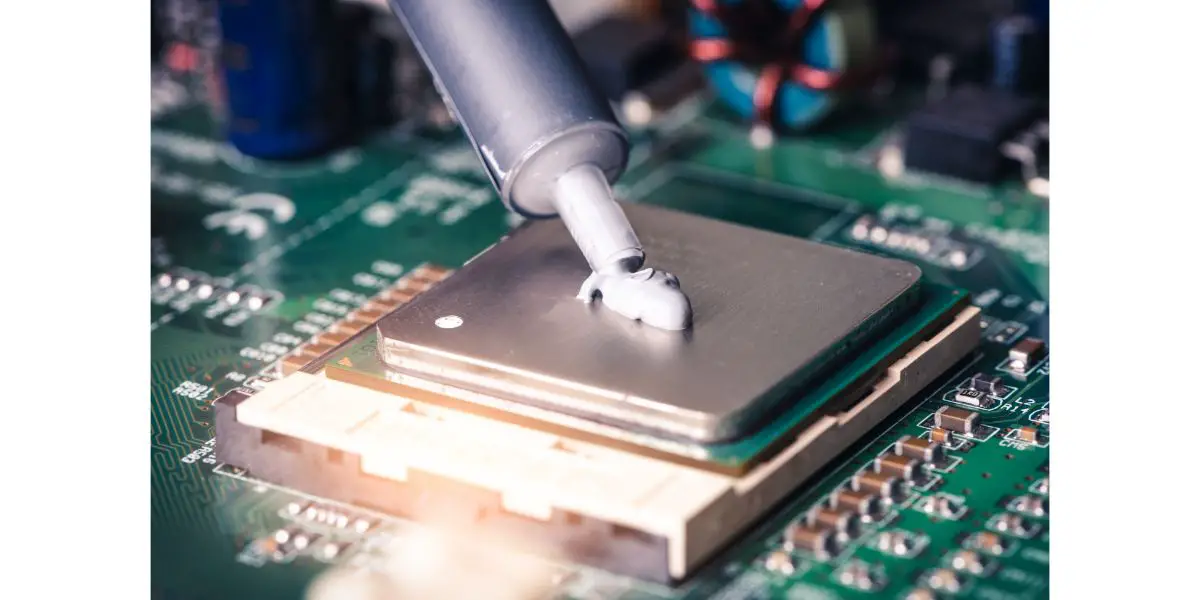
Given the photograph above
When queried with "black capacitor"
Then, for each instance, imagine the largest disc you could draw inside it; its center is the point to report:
(368, 56)
(278, 67)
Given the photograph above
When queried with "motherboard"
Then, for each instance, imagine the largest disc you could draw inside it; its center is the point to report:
(311, 440)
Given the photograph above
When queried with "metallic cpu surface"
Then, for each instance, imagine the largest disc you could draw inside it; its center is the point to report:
(771, 313)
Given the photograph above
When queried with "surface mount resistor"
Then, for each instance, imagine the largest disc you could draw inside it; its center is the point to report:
(972, 397)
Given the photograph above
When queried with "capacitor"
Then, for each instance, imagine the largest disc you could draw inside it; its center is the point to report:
(277, 65)
(816, 540)
(1020, 55)
(904, 467)
(844, 522)
(369, 55)
(864, 503)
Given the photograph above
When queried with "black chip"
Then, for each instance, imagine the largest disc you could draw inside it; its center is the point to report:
(960, 135)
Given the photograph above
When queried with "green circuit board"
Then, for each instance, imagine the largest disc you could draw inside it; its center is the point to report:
(311, 240)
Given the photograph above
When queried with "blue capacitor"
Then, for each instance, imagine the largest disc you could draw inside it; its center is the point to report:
(281, 89)
(1020, 55)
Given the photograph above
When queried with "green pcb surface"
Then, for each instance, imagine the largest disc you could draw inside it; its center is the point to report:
(318, 238)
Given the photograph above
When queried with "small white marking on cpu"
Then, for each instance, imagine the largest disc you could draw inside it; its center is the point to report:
(449, 322)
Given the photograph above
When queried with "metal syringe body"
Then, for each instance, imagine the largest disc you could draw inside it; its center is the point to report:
(548, 139)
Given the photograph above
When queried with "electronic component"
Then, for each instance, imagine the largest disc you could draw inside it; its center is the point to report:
(1013, 524)
(405, 289)
(668, 384)
(917, 240)
(904, 467)
(920, 449)
(956, 419)
(634, 514)
(883, 485)
(941, 436)
(944, 580)
(835, 41)
(637, 504)
(989, 542)
(860, 575)
(960, 135)
(973, 397)
(898, 542)
(780, 562)
(1026, 354)
(318, 515)
(1020, 55)
(968, 561)
(369, 55)
(844, 522)
(277, 63)
(866, 504)
(622, 53)
(251, 297)
(818, 541)
(987, 384)
(1041, 486)
(943, 506)
(289, 541)
(1005, 332)
(1036, 506)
